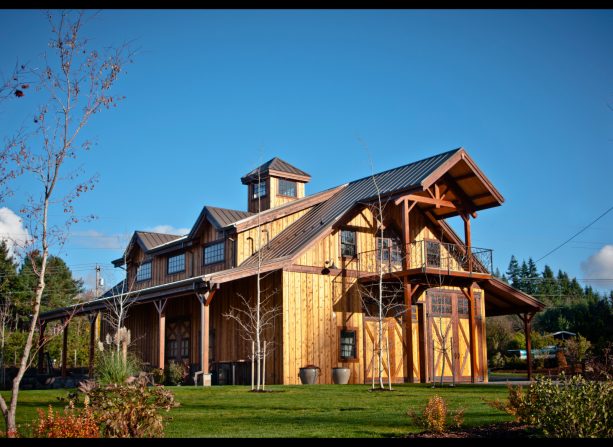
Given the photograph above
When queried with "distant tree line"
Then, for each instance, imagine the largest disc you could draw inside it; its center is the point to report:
(17, 284)
(569, 307)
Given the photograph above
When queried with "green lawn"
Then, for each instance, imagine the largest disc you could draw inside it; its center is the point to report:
(301, 411)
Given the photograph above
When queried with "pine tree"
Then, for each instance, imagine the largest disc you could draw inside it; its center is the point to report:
(523, 278)
(513, 272)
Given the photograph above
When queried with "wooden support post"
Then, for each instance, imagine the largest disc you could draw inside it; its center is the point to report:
(204, 333)
(468, 242)
(408, 327)
(64, 349)
(160, 306)
(42, 325)
(527, 319)
(92, 342)
(422, 342)
(406, 235)
(473, 340)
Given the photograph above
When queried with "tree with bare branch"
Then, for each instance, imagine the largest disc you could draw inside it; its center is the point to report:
(255, 318)
(73, 83)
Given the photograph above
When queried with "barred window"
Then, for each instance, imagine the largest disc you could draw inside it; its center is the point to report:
(414, 313)
(176, 263)
(185, 348)
(441, 304)
(348, 243)
(463, 306)
(287, 188)
(348, 345)
(259, 189)
(143, 272)
(214, 253)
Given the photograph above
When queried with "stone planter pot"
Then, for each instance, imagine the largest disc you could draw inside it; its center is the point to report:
(308, 376)
(341, 375)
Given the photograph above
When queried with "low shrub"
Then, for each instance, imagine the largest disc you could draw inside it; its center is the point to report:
(72, 423)
(436, 416)
(174, 373)
(573, 408)
(131, 410)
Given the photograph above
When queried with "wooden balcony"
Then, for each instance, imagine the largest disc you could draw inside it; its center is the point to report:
(424, 258)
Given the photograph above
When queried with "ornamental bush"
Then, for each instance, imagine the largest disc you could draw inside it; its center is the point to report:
(573, 408)
(72, 423)
(436, 416)
(131, 410)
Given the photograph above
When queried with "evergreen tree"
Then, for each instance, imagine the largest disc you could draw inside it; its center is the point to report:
(60, 288)
(513, 272)
(8, 273)
(523, 277)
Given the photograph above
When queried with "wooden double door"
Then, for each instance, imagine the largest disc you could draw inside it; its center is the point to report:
(394, 349)
(448, 334)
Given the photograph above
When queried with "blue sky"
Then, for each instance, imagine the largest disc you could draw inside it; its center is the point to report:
(212, 94)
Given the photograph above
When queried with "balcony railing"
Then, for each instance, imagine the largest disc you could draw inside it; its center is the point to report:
(426, 255)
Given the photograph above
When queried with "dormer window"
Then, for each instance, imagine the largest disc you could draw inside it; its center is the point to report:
(143, 272)
(287, 188)
(259, 190)
(176, 264)
(214, 253)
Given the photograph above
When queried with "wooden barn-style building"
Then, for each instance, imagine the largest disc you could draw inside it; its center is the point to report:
(319, 256)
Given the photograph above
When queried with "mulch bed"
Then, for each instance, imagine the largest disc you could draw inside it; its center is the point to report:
(502, 430)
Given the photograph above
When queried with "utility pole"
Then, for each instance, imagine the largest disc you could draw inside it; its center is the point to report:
(97, 279)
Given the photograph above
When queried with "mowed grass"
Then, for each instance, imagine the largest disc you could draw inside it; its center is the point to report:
(302, 411)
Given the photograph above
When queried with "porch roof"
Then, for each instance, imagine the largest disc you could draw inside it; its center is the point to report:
(502, 299)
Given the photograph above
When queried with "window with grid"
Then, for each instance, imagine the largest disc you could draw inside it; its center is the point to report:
(433, 254)
(287, 188)
(348, 345)
(388, 249)
(143, 272)
(463, 306)
(176, 263)
(185, 348)
(441, 304)
(259, 189)
(348, 243)
(414, 313)
(214, 253)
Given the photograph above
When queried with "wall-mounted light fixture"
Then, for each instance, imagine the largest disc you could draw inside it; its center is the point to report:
(327, 266)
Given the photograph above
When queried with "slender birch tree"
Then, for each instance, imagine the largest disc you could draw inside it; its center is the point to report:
(72, 84)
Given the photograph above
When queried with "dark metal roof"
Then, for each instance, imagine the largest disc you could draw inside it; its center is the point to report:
(275, 166)
(322, 216)
(222, 217)
(151, 240)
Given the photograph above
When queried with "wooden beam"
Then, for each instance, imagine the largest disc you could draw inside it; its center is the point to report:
(205, 300)
(429, 200)
(64, 349)
(92, 343)
(406, 234)
(468, 241)
(408, 326)
(466, 202)
(421, 324)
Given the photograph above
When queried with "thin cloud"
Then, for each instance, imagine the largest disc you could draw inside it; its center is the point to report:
(600, 266)
(168, 229)
(97, 239)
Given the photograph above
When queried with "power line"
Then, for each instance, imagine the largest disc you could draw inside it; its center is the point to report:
(575, 235)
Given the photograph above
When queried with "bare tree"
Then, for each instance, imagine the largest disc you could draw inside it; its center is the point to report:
(116, 311)
(73, 84)
(383, 299)
(257, 319)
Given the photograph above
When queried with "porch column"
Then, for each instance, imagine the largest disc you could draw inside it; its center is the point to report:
(467, 241)
(42, 325)
(204, 340)
(92, 342)
(408, 326)
(160, 306)
(527, 319)
(64, 348)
